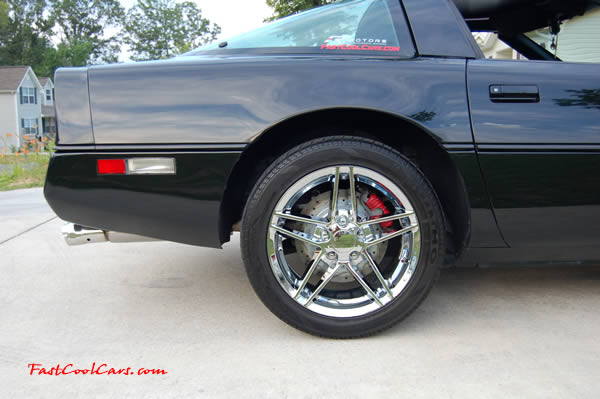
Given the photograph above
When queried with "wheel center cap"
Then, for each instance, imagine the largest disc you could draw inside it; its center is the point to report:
(344, 240)
(342, 221)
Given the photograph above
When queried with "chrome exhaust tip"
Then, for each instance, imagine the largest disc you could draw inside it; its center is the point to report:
(75, 234)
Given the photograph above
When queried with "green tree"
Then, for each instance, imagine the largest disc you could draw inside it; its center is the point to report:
(24, 32)
(283, 8)
(4, 20)
(88, 25)
(75, 53)
(158, 29)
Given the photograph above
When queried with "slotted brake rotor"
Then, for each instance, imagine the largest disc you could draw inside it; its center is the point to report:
(318, 208)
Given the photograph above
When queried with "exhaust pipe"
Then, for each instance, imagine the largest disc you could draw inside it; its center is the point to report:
(75, 234)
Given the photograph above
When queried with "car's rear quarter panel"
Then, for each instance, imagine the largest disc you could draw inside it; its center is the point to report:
(197, 100)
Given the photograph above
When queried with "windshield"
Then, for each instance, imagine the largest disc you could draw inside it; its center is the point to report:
(353, 25)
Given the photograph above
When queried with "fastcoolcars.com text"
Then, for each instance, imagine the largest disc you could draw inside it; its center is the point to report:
(96, 369)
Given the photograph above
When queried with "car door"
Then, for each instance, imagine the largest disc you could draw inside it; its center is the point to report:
(537, 131)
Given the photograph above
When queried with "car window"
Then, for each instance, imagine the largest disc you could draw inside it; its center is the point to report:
(577, 41)
(354, 26)
(493, 48)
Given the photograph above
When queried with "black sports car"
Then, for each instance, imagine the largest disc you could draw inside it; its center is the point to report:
(358, 147)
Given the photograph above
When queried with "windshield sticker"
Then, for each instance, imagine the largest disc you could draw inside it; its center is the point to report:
(346, 42)
(339, 40)
(371, 41)
(362, 47)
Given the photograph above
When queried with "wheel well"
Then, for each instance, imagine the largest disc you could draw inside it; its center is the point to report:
(407, 138)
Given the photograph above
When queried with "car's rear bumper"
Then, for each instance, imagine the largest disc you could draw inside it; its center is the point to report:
(181, 207)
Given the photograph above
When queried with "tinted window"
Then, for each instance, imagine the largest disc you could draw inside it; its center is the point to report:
(354, 26)
(577, 40)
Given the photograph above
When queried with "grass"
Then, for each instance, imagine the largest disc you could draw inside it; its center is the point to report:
(28, 170)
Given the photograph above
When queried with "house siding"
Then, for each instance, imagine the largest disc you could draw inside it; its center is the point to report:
(579, 39)
(8, 122)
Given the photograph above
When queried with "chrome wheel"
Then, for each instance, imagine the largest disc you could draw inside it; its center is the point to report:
(343, 241)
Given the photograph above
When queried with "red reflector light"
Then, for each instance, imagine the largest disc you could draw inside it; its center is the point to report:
(111, 167)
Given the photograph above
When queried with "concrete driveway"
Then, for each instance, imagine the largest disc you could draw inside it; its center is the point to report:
(482, 333)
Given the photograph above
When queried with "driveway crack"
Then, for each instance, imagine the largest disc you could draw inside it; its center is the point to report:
(27, 231)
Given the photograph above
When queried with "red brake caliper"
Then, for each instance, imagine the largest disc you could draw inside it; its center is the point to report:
(373, 202)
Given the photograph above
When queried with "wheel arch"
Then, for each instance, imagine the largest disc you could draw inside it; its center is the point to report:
(403, 133)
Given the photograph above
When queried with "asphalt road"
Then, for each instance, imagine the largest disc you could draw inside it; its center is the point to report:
(482, 333)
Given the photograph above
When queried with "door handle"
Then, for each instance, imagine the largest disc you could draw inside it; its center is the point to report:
(514, 94)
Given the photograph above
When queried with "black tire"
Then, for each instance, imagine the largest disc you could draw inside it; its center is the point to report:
(331, 151)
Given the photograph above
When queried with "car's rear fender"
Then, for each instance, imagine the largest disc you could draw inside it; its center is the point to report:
(72, 105)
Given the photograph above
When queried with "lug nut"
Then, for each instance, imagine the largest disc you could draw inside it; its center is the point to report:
(331, 255)
(354, 255)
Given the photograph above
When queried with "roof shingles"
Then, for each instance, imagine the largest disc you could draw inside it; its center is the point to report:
(11, 77)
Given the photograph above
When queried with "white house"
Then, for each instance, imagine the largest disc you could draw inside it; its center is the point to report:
(48, 114)
(26, 106)
(493, 47)
(577, 40)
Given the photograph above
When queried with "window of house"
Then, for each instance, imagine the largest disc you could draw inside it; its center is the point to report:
(30, 126)
(351, 26)
(28, 95)
(48, 95)
(49, 126)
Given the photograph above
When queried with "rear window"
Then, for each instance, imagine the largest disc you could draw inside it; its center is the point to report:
(353, 26)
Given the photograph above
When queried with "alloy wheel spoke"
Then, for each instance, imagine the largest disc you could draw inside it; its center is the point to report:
(309, 273)
(296, 235)
(375, 268)
(363, 283)
(386, 219)
(301, 219)
(395, 234)
(335, 194)
(352, 181)
(325, 279)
